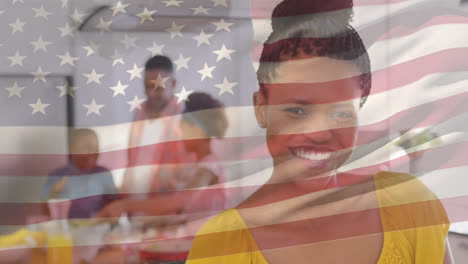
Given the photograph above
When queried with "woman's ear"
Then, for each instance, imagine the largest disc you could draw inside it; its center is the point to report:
(173, 82)
(259, 102)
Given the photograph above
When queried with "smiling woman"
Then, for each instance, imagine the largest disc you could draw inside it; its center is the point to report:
(314, 77)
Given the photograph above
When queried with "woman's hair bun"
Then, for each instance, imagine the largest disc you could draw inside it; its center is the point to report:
(313, 17)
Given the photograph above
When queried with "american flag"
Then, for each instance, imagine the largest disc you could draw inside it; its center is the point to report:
(73, 63)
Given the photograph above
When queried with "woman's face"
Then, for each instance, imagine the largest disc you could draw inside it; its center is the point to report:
(310, 114)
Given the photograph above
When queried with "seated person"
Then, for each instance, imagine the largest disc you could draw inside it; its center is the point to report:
(82, 179)
(203, 119)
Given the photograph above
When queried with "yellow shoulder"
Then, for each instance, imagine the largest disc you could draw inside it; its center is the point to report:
(223, 239)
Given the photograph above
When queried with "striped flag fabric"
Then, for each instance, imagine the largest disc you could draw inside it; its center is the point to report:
(80, 64)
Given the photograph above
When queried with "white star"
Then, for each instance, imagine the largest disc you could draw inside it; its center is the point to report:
(17, 59)
(119, 89)
(146, 15)
(160, 82)
(64, 3)
(155, 49)
(40, 75)
(77, 16)
(200, 9)
(17, 26)
(183, 95)
(18, 1)
(203, 38)
(117, 58)
(39, 107)
(119, 8)
(128, 42)
(135, 103)
(93, 108)
(172, 3)
(40, 44)
(226, 86)
(93, 77)
(219, 2)
(182, 62)
(2, 12)
(223, 53)
(67, 59)
(15, 90)
(135, 72)
(206, 72)
(91, 48)
(41, 12)
(66, 89)
(222, 25)
(175, 30)
(66, 30)
(104, 26)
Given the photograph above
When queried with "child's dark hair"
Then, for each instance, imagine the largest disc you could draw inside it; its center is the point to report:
(318, 33)
(159, 62)
(206, 112)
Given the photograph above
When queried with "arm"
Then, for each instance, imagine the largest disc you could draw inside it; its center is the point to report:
(203, 177)
(448, 259)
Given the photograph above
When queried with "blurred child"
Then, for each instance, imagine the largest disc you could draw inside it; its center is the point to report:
(82, 180)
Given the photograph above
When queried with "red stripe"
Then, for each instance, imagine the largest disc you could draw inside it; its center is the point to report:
(264, 8)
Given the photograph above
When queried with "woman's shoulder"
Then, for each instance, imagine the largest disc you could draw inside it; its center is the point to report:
(223, 239)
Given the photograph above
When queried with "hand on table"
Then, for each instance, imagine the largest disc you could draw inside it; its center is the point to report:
(115, 209)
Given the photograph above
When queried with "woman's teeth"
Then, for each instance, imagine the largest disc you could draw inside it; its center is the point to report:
(311, 155)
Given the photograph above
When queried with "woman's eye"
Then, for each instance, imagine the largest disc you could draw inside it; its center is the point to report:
(343, 116)
(295, 110)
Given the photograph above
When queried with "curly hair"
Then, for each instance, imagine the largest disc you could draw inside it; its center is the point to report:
(324, 34)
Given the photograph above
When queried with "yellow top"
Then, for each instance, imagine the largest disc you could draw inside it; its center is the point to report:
(413, 219)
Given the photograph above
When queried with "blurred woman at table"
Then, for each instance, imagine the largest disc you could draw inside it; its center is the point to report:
(314, 78)
(203, 119)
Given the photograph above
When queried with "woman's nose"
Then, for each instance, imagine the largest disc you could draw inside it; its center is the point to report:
(317, 129)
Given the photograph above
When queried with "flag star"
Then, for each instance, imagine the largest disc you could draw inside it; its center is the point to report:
(2, 12)
(40, 75)
(17, 26)
(17, 59)
(203, 38)
(220, 2)
(18, 1)
(39, 107)
(93, 108)
(40, 44)
(183, 95)
(119, 89)
(119, 8)
(222, 25)
(67, 59)
(146, 15)
(66, 30)
(172, 3)
(160, 82)
(206, 72)
(64, 3)
(15, 90)
(104, 26)
(41, 12)
(128, 42)
(135, 103)
(174, 30)
(226, 86)
(200, 9)
(77, 16)
(117, 58)
(182, 62)
(223, 53)
(66, 89)
(135, 72)
(93, 77)
(155, 49)
(91, 48)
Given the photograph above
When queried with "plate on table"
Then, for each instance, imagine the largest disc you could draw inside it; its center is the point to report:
(162, 248)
